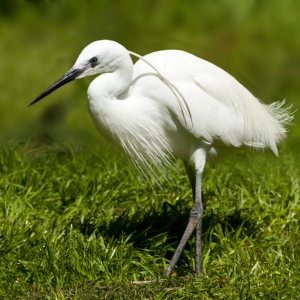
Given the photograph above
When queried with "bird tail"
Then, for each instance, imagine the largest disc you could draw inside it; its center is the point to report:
(277, 117)
(282, 113)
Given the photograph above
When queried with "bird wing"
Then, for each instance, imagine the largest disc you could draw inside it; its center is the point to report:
(221, 108)
(238, 118)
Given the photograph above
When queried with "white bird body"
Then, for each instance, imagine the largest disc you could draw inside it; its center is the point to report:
(172, 103)
(140, 114)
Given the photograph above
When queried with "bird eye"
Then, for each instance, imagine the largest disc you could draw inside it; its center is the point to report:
(93, 61)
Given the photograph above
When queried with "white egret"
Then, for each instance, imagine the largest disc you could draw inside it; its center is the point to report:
(172, 103)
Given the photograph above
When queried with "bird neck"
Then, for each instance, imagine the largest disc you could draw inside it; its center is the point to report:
(110, 85)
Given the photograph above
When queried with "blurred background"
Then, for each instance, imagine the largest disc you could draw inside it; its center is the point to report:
(257, 42)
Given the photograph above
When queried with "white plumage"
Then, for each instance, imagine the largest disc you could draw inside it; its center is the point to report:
(172, 103)
(148, 122)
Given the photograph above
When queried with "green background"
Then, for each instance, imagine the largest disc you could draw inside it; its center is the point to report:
(75, 222)
(257, 42)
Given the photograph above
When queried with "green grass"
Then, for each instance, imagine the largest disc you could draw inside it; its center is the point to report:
(75, 223)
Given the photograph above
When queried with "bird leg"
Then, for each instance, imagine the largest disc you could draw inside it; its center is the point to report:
(198, 245)
(192, 178)
(195, 221)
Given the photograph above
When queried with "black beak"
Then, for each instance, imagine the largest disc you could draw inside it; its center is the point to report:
(68, 77)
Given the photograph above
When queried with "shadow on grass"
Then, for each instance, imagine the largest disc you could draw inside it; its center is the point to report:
(154, 229)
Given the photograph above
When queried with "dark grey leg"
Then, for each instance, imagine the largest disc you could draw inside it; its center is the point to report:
(198, 199)
(191, 175)
(195, 221)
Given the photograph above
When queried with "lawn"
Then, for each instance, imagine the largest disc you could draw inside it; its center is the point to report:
(75, 220)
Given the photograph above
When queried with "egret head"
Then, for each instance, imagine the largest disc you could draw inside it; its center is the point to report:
(98, 57)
